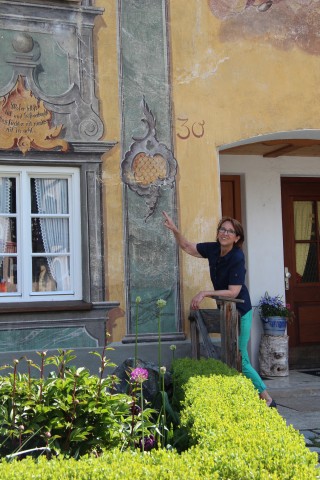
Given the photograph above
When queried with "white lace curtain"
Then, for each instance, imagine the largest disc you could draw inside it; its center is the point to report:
(52, 199)
(4, 208)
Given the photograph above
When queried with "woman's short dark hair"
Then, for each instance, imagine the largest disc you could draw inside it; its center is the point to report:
(238, 228)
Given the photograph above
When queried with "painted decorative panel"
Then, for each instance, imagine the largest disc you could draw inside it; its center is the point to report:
(148, 165)
(45, 338)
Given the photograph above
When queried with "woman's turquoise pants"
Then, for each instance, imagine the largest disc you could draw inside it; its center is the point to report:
(247, 368)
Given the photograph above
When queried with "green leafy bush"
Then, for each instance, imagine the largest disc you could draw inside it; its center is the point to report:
(71, 412)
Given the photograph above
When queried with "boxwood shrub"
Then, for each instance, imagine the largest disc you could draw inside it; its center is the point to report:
(247, 439)
(185, 368)
(232, 434)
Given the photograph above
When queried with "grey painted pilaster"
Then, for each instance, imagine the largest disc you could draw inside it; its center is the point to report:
(152, 269)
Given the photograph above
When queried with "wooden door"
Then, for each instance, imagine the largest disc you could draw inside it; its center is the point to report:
(301, 240)
(230, 196)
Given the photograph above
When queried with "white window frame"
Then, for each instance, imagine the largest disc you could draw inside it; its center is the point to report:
(24, 240)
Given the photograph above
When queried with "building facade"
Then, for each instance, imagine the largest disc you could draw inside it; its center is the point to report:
(113, 111)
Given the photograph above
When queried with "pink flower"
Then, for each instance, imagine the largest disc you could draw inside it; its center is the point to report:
(139, 375)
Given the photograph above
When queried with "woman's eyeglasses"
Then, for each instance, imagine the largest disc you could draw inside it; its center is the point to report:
(225, 231)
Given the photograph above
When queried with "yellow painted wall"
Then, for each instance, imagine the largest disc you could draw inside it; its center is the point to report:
(107, 71)
(241, 89)
(241, 79)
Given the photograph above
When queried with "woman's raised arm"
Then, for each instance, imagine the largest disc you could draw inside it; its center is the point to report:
(184, 244)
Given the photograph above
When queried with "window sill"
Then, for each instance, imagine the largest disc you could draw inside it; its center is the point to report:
(27, 307)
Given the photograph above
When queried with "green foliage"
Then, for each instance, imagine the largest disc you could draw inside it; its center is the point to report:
(140, 425)
(232, 434)
(235, 436)
(71, 411)
(225, 416)
(185, 368)
(137, 426)
(274, 307)
(168, 419)
(112, 465)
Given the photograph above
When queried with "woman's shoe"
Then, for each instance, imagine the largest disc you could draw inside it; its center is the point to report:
(273, 404)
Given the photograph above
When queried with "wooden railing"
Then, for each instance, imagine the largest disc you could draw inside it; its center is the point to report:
(223, 320)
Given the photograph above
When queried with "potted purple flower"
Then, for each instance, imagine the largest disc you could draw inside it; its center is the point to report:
(274, 314)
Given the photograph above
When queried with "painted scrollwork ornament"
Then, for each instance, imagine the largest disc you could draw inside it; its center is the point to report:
(25, 122)
(149, 165)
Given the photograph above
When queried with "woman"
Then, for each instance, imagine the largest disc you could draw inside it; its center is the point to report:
(227, 272)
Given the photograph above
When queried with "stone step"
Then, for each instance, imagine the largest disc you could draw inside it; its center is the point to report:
(310, 391)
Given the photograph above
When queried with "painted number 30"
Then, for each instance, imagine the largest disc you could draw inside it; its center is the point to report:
(186, 129)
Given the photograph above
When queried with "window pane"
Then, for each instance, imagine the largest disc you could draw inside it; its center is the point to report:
(50, 274)
(8, 235)
(7, 223)
(8, 274)
(37, 243)
(7, 195)
(13, 196)
(303, 220)
(42, 279)
(49, 196)
(11, 245)
(306, 262)
(50, 235)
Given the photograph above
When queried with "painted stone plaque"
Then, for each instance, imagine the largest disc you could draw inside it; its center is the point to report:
(25, 123)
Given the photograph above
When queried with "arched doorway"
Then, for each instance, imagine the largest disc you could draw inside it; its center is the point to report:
(279, 182)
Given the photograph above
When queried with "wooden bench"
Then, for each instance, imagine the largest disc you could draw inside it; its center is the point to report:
(223, 320)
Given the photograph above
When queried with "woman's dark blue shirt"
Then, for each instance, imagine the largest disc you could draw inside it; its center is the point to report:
(227, 270)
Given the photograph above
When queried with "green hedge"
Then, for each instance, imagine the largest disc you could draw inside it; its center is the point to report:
(246, 438)
(234, 435)
(114, 466)
(185, 368)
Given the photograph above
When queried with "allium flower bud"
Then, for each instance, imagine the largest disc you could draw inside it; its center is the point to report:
(161, 303)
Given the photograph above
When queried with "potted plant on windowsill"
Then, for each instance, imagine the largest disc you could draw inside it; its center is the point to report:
(274, 314)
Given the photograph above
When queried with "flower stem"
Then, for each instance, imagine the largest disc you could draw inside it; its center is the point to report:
(164, 413)
(138, 301)
(142, 420)
(160, 305)
(159, 347)
(136, 340)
